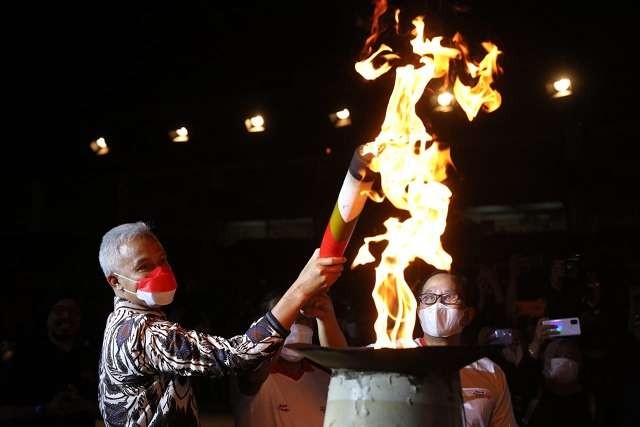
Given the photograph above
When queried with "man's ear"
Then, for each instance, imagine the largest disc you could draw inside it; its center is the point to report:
(112, 280)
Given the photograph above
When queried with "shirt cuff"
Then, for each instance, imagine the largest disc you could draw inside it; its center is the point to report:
(281, 330)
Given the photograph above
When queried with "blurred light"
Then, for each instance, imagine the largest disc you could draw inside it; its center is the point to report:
(341, 118)
(327, 151)
(343, 114)
(255, 123)
(179, 135)
(445, 99)
(562, 87)
(444, 102)
(99, 146)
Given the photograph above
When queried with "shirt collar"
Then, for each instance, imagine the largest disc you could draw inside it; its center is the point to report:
(124, 304)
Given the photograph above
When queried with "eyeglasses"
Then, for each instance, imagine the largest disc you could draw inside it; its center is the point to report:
(430, 298)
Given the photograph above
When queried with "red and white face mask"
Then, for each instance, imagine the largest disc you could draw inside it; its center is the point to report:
(156, 288)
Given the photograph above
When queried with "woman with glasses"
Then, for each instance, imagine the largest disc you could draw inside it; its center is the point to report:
(445, 308)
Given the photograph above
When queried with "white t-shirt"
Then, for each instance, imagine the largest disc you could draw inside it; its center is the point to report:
(487, 400)
(283, 401)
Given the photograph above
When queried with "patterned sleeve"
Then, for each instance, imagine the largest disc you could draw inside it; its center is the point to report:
(169, 348)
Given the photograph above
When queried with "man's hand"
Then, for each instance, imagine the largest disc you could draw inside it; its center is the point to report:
(316, 277)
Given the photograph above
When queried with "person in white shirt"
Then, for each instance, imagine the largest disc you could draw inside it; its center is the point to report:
(445, 308)
(290, 391)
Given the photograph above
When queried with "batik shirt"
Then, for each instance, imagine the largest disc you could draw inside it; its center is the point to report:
(146, 363)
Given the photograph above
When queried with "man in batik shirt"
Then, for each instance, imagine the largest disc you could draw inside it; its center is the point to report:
(147, 361)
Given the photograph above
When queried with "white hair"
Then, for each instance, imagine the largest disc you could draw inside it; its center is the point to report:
(109, 255)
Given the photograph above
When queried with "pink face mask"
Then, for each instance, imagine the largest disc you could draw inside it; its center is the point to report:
(156, 288)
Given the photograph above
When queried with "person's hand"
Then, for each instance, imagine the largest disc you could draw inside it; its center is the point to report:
(543, 333)
(319, 307)
(318, 275)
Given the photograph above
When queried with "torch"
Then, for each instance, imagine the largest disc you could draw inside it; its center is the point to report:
(351, 201)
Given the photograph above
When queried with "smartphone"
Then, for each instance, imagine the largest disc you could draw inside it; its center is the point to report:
(501, 337)
(565, 327)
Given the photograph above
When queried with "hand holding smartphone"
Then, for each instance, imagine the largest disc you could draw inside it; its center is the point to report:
(564, 327)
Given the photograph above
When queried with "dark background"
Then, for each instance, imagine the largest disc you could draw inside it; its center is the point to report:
(132, 71)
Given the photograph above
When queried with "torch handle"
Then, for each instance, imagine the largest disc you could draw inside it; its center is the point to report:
(351, 201)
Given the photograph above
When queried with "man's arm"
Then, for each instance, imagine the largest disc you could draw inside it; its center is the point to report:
(169, 348)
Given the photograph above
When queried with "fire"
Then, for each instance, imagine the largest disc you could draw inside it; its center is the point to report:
(471, 99)
(368, 71)
(412, 167)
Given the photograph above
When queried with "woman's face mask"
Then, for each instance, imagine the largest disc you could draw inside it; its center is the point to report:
(439, 320)
(299, 334)
(155, 289)
(561, 370)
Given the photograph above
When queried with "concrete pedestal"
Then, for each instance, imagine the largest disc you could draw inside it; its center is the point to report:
(388, 399)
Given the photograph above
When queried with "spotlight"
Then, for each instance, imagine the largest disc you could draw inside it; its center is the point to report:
(341, 118)
(99, 146)
(444, 102)
(179, 135)
(255, 123)
(562, 87)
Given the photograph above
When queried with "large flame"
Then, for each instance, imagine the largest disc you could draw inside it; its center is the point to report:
(412, 169)
(482, 95)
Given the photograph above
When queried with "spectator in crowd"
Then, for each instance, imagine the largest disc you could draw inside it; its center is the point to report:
(521, 370)
(63, 367)
(561, 400)
(566, 287)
